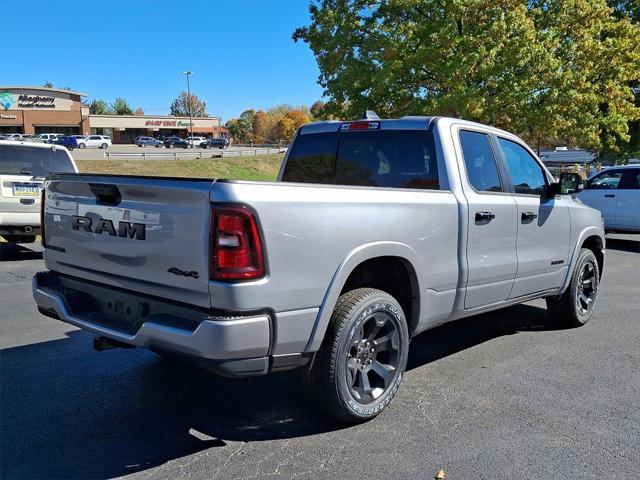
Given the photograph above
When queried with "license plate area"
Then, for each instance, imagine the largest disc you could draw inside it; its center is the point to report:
(26, 190)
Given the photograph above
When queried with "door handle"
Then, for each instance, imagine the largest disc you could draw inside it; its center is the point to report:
(485, 216)
(528, 216)
(610, 195)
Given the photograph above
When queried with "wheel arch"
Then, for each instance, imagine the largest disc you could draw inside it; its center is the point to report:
(593, 239)
(365, 264)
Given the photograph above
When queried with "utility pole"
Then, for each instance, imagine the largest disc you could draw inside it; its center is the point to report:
(187, 73)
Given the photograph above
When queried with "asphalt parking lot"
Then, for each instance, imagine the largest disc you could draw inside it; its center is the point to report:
(498, 396)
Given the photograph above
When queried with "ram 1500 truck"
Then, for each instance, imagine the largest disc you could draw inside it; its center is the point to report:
(375, 231)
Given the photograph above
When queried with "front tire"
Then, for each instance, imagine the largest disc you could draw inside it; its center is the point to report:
(103, 146)
(359, 367)
(576, 305)
(82, 145)
(143, 145)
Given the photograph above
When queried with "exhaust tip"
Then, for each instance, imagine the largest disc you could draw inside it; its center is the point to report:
(28, 229)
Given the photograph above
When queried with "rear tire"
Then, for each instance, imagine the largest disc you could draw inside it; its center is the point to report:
(576, 305)
(143, 145)
(359, 367)
(103, 146)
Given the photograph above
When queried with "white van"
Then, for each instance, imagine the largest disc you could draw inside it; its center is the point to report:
(23, 167)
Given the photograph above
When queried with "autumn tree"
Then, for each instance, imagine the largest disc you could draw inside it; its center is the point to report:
(138, 111)
(541, 68)
(120, 107)
(317, 110)
(260, 127)
(180, 106)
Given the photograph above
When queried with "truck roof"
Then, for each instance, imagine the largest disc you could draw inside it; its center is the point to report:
(402, 123)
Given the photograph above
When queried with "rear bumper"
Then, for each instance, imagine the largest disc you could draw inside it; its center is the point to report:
(236, 346)
(14, 223)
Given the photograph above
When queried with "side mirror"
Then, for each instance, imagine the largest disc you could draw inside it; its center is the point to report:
(568, 183)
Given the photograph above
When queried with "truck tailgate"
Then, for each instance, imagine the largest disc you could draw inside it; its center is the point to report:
(149, 234)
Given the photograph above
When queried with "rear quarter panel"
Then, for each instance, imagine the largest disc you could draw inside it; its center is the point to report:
(314, 235)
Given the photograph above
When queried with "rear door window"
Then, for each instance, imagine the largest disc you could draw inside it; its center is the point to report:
(482, 170)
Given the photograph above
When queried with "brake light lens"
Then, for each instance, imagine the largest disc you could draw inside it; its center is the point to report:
(236, 249)
(360, 126)
(42, 231)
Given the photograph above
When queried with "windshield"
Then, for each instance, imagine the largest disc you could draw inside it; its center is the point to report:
(39, 162)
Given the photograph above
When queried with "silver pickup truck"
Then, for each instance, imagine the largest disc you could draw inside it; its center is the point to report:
(375, 231)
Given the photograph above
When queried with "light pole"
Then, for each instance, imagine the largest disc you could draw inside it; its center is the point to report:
(187, 73)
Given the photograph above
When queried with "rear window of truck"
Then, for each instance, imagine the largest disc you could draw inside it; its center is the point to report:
(39, 162)
(380, 158)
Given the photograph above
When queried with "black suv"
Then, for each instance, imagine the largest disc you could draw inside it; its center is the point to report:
(215, 143)
(175, 142)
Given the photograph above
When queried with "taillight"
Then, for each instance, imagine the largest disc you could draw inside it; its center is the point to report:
(236, 250)
(42, 233)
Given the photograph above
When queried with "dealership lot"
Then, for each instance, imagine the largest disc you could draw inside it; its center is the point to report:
(495, 396)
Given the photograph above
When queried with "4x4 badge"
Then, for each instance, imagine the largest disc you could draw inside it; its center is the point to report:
(184, 273)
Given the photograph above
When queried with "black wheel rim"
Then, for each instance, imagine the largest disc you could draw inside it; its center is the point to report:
(373, 357)
(586, 288)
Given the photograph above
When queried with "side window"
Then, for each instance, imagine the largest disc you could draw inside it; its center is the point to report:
(527, 176)
(482, 170)
(607, 180)
(630, 179)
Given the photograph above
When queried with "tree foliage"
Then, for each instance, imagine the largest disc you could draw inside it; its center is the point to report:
(139, 111)
(99, 107)
(545, 69)
(180, 106)
(278, 124)
(120, 107)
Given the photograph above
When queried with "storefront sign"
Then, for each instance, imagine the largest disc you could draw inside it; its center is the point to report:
(7, 117)
(35, 101)
(166, 123)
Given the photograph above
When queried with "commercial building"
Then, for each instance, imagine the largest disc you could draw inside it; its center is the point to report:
(34, 110)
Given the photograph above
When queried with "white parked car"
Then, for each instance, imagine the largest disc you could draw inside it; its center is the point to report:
(195, 141)
(615, 192)
(12, 136)
(94, 141)
(23, 167)
(47, 137)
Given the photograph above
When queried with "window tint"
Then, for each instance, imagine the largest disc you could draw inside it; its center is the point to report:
(630, 179)
(482, 170)
(526, 174)
(391, 158)
(39, 162)
(607, 180)
(311, 159)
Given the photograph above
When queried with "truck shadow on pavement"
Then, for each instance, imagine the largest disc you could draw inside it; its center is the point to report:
(70, 412)
(15, 252)
(624, 244)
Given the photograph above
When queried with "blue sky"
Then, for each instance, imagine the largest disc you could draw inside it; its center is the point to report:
(240, 51)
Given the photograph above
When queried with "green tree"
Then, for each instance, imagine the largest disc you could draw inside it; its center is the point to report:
(180, 106)
(541, 68)
(121, 107)
(48, 85)
(99, 107)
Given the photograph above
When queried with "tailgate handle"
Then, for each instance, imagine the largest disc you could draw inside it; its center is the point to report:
(106, 194)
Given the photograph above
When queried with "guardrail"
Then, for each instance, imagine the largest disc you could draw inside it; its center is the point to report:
(199, 155)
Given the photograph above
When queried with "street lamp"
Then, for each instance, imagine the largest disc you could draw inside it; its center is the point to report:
(187, 73)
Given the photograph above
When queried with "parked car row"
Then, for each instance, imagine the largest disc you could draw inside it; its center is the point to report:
(69, 141)
(178, 142)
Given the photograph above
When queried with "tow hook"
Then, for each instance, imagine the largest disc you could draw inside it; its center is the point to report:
(103, 343)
